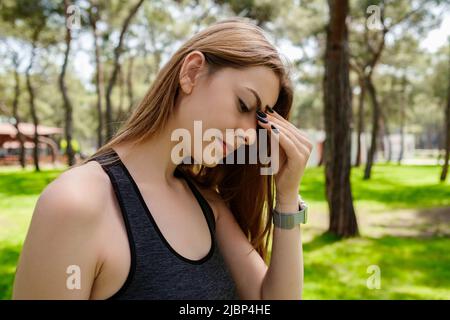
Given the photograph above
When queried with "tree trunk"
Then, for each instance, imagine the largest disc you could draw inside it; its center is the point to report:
(130, 85)
(375, 127)
(32, 104)
(16, 116)
(338, 114)
(67, 103)
(360, 121)
(112, 80)
(402, 120)
(447, 128)
(52, 145)
(447, 141)
(387, 135)
(93, 18)
(121, 111)
(375, 57)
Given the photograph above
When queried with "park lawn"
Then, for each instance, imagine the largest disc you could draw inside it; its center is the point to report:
(390, 187)
(410, 268)
(18, 194)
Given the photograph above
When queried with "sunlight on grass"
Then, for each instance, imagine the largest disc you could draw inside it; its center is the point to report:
(410, 268)
(19, 192)
(390, 187)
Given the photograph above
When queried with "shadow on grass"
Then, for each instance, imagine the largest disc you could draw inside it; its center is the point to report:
(320, 241)
(411, 268)
(431, 222)
(9, 256)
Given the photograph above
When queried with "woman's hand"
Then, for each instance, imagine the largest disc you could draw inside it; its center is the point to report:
(294, 151)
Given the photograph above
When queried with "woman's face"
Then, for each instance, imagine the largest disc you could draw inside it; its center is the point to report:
(228, 99)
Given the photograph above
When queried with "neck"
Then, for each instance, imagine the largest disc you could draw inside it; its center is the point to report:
(151, 159)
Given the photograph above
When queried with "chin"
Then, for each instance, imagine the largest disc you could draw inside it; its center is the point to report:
(212, 162)
(210, 165)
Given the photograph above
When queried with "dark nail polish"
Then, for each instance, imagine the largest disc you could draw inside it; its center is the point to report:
(261, 114)
(274, 129)
(269, 109)
(262, 119)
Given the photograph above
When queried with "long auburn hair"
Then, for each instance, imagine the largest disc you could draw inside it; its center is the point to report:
(236, 43)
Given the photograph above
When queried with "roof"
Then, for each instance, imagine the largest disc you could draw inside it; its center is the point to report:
(27, 129)
(16, 145)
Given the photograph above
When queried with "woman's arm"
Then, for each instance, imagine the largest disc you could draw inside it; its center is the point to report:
(284, 278)
(245, 264)
(59, 259)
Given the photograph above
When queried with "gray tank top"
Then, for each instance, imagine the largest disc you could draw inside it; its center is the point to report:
(157, 271)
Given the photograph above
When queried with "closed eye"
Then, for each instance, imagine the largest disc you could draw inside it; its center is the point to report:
(243, 106)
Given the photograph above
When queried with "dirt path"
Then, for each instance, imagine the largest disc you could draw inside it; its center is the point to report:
(399, 223)
(409, 223)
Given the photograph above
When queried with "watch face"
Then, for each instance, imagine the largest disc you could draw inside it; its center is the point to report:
(303, 205)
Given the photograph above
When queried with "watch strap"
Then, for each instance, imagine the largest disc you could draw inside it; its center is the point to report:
(290, 220)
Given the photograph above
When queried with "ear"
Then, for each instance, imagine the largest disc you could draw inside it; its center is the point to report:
(193, 64)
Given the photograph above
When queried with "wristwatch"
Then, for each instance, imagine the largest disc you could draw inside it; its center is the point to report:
(290, 220)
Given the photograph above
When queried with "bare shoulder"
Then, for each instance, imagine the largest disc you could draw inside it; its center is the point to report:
(63, 234)
(81, 190)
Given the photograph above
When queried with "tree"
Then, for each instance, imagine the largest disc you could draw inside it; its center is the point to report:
(31, 94)
(368, 46)
(94, 17)
(116, 66)
(62, 85)
(28, 20)
(360, 123)
(15, 112)
(338, 114)
(447, 126)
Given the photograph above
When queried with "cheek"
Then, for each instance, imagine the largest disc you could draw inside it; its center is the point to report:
(217, 110)
(220, 97)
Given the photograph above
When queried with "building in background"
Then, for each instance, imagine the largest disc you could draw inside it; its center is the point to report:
(318, 138)
(10, 143)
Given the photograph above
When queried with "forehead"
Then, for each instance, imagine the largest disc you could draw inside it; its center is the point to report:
(261, 79)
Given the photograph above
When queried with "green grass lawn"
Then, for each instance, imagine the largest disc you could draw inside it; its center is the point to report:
(410, 267)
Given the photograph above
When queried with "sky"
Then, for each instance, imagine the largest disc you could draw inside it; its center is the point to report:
(434, 40)
(438, 37)
(84, 68)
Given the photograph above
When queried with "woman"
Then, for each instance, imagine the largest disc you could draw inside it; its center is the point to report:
(133, 223)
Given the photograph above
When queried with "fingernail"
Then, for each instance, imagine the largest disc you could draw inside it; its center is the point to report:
(261, 114)
(274, 129)
(269, 109)
(261, 119)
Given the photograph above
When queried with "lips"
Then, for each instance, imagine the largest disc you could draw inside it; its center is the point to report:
(226, 147)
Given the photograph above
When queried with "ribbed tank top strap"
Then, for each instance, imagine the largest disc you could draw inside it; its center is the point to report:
(124, 189)
(133, 213)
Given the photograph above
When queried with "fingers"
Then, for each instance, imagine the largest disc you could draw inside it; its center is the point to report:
(289, 145)
(275, 116)
(301, 142)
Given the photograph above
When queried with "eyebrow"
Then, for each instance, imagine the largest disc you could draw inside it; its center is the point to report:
(258, 99)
